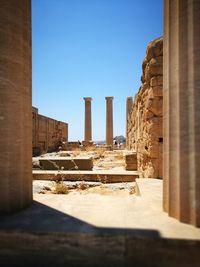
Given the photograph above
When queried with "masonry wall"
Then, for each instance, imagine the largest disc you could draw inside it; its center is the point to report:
(47, 133)
(144, 127)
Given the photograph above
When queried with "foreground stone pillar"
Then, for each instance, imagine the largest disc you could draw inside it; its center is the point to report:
(88, 119)
(181, 189)
(109, 120)
(129, 104)
(15, 105)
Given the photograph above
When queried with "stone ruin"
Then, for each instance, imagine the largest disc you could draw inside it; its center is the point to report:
(181, 187)
(47, 134)
(144, 121)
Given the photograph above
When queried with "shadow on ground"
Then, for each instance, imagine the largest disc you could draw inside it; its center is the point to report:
(41, 218)
(42, 236)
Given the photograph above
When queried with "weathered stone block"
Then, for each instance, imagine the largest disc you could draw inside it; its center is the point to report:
(155, 106)
(131, 161)
(144, 131)
(156, 91)
(66, 163)
(156, 80)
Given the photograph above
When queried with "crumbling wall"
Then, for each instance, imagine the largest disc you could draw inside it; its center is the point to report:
(144, 131)
(47, 133)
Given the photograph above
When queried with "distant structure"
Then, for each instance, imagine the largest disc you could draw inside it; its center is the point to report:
(47, 134)
(88, 120)
(129, 104)
(109, 120)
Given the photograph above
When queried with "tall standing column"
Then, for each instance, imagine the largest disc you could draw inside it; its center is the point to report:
(181, 94)
(109, 120)
(88, 119)
(129, 104)
(15, 105)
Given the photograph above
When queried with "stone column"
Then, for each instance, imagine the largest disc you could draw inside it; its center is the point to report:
(109, 120)
(15, 105)
(129, 104)
(88, 119)
(181, 94)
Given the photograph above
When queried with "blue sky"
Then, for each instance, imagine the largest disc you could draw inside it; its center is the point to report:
(90, 48)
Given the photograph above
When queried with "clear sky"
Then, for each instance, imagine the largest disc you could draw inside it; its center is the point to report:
(90, 48)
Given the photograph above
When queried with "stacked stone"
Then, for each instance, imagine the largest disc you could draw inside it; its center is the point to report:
(144, 131)
(47, 134)
(131, 161)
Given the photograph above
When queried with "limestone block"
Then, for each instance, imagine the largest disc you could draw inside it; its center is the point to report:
(154, 126)
(154, 49)
(156, 80)
(131, 161)
(145, 121)
(155, 106)
(154, 67)
(148, 114)
(155, 91)
(160, 80)
(66, 163)
(153, 150)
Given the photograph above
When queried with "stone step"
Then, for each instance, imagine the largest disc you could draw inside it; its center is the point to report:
(106, 176)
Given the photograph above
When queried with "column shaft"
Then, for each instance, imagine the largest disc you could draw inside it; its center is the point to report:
(88, 119)
(15, 105)
(109, 121)
(181, 90)
(129, 104)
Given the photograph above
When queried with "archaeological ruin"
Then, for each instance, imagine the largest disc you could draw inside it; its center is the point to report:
(88, 120)
(15, 107)
(181, 110)
(145, 115)
(47, 134)
(179, 144)
(109, 120)
(158, 215)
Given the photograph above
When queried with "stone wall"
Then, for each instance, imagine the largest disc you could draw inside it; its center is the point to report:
(144, 129)
(47, 133)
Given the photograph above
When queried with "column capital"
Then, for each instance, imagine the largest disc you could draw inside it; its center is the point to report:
(109, 97)
(129, 97)
(87, 98)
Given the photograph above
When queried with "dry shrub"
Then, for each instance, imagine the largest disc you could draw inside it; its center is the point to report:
(83, 186)
(61, 188)
(133, 190)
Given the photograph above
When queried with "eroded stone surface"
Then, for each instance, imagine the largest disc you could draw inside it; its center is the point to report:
(144, 130)
(47, 134)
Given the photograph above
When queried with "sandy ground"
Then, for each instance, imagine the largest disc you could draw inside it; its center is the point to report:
(82, 187)
(95, 206)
